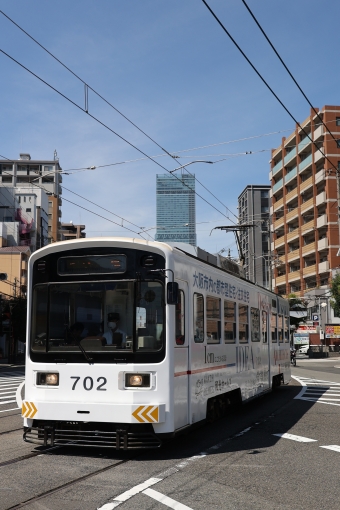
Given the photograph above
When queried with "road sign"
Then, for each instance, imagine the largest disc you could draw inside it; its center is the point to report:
(315, 317)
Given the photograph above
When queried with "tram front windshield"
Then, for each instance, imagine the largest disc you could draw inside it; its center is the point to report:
(100, 316)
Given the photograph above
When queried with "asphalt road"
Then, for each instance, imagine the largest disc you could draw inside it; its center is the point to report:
(281, 451)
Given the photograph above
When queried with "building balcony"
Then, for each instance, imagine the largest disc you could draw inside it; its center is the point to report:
(280, 279)
(323, 244)
(320, 176)
(306, 184)
(293, 255)
(277, 167)
(305, 163)
(307, 205)
(292, 214)
(278, 223)
(324, 267)
(291, 195)
(290, 156)
(294, 275)
(278, 204)
(322, 221)
(319, 155)
(278, 186)
(290, 175)
(320, 198)
(24, 265)
(23, 280)
(307, 227)
(304, 144)
(309, 270)
(293, 235)
(318, 133)
(308, 248)
(279, 242)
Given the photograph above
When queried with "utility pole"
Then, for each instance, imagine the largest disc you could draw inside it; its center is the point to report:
(236, 229)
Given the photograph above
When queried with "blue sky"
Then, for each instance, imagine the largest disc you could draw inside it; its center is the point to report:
(169, 67)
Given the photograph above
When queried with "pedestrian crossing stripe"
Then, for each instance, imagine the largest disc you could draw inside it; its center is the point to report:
(318, 390)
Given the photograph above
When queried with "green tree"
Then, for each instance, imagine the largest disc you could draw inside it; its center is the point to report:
(335, 293)
(296, 304)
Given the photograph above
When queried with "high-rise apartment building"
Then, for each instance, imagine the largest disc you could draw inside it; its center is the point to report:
(253, 209)
(35, 174)
(305, 204)
(176, 209)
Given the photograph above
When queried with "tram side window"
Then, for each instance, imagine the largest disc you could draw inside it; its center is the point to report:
(286, 329)
(198, 318)
(264, 326)
(229, 322)
(273, 327)
(255, 324)
(243, 326)
(213, 320)
(39, 319)
(280, 327)
(180, 321)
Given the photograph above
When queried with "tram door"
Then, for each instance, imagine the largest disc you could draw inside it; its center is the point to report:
(181, 358)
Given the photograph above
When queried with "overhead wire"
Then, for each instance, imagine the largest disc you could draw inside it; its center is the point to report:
(286, 67)
(107, 127)
(265, 82)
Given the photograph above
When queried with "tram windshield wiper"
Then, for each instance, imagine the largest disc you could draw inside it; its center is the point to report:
(86, 356)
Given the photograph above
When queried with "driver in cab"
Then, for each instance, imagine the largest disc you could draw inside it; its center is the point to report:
(114, 335)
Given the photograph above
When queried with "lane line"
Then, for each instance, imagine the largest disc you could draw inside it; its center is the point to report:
(7, 402)
(334, 447)
(165, 500)
(13, 409)
(300, 439)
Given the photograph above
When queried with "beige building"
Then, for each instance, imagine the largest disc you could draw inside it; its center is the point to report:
(305, 199)
(69, 231)
(13, 262)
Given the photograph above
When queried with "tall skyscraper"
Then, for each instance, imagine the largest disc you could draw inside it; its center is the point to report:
(176, 209)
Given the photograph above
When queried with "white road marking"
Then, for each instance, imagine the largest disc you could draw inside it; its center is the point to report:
(318, 390)
(8, 389)
(334, 447)
(13, 409)
(165, 500)
(128, 494)
(300, 439)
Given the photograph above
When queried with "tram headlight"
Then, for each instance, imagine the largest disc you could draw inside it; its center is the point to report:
(47, 379)
(137, 380)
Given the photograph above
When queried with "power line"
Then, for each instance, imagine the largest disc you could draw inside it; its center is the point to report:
(86, 85)
(285, 66)
(110, 129)
(265, 82)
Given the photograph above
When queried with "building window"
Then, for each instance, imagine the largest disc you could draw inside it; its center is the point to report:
(338, 144)
(28, 209)
(337, 121)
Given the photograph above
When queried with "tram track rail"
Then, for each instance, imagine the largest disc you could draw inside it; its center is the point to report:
(66, 484)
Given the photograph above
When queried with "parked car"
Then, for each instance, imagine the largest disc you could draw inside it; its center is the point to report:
(303, 350)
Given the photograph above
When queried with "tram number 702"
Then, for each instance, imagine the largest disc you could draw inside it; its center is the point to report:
(88, 383)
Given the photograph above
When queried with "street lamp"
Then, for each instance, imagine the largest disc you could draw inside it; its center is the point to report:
(191, 162)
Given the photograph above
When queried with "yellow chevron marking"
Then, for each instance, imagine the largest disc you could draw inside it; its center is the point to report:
(155, 414)
(23, 409)
(136, 415)
(28, 410)
(146, 414)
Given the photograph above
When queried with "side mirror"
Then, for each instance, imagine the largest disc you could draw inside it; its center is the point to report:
(172, 293)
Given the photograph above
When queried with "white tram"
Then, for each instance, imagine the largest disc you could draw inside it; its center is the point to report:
(130, 342)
